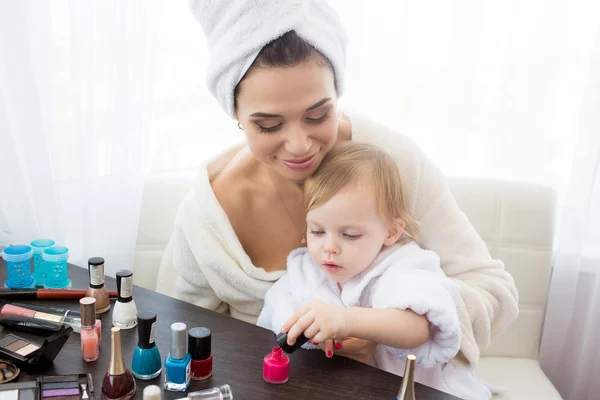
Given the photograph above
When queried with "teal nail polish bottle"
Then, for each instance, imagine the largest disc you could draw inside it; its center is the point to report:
(146, 363)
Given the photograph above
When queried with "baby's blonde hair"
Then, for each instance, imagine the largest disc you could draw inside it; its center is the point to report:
(368, 168)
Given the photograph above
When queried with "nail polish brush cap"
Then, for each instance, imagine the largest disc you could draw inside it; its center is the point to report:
(178, 340)
(96, 272)
(87, 307)
(282, 342)
(152, 392)
(146, 329)
(199, 341)
(124, 285)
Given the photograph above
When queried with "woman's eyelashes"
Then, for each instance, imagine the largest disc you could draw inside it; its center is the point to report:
(270, 129)
(275, 128)
(319, 119)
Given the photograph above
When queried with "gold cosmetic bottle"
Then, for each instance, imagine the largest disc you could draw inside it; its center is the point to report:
(407, 389)
(118, 383)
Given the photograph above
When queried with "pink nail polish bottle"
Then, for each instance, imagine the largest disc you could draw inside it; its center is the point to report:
(90, 342)
(276, 367)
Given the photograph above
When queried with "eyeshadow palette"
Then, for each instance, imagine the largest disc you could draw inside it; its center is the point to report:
(66, 387)
(60, 387)
(19, 391)
(33, 355)
(18, 345)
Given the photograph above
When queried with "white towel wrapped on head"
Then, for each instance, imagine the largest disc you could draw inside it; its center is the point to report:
(238, 29)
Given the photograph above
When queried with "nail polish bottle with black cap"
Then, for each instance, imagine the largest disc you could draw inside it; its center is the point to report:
(199, 346)
(146, 363)
(125, 312)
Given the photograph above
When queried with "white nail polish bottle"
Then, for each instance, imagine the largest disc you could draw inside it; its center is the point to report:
(124, 314)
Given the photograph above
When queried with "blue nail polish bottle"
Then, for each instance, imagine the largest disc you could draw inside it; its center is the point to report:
(146, 363)
(178, 363)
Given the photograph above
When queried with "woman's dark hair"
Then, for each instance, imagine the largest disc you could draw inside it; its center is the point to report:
(287, 50)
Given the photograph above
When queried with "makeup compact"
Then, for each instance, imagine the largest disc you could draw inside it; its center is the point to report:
(66, 387)
(30, 354)
(8, 371)
(60, 387)
(20, 391)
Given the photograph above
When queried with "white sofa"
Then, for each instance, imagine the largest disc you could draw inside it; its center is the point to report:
(515, 219)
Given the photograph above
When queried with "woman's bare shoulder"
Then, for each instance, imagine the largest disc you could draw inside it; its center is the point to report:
(344, 128)
(232, 177)
(221, 161)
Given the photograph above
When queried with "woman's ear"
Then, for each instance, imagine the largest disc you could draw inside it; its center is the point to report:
(395, 231)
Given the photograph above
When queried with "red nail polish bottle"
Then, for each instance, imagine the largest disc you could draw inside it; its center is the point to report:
(199, 348)
(276, 367)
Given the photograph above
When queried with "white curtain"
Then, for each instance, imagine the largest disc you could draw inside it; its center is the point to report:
(75, 83)
(96, 94)
(570, 353)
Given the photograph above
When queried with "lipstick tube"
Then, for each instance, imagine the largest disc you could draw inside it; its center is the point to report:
(31, 325)
(48, 309)
(61, 318)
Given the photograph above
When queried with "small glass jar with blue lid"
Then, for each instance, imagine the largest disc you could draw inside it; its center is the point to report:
(40, 267)
(18, 266)
(57, 276)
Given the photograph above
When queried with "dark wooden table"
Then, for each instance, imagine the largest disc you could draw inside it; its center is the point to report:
(238, 350)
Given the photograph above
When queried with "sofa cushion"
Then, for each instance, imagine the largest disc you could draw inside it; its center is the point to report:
(522, 378)
(160, 202)
(516, 221)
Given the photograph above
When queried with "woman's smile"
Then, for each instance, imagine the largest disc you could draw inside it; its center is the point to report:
(300, 164)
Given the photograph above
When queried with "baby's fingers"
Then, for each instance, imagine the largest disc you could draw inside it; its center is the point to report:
(294, 318)
(298, 328)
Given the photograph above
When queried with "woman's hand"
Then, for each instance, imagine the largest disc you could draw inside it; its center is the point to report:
(320, 322)
(356, 349)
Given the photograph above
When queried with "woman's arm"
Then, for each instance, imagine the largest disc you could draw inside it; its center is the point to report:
(489, 298)
(181, 277)
(488, 302)
(401, 329)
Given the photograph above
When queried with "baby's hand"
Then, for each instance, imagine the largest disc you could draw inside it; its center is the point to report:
(318, 321)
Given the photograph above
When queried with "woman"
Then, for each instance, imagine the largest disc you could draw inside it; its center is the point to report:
(245, 214)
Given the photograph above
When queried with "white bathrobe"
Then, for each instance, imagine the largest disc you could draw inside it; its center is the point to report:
(205, 264)
(402, 277)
